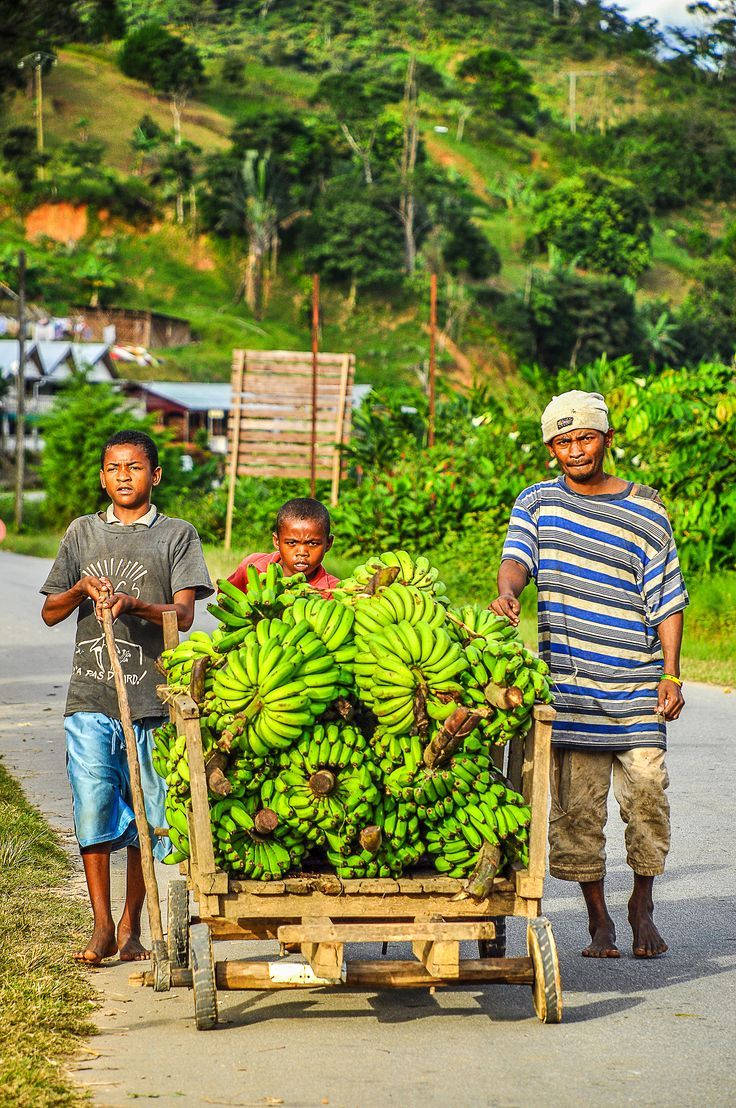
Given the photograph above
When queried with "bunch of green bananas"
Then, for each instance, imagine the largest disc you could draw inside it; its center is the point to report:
(268, 595)
(400, 660)
(242, 848)
(392, 604)
(331, 621)
(163, 737)
(412, 571)
(466, 804)
(390, 750)
(178, 662)
(327, 781)
(276, 687)
(176, 819)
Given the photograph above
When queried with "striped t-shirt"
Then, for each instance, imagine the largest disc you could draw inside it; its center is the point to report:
(607, 573)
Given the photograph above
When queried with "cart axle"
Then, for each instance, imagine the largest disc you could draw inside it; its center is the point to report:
(358, 975)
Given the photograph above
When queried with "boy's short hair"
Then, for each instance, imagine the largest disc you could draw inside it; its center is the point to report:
(304, 507)
(132, 438)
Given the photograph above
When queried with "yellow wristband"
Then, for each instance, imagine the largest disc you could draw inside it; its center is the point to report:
(671, 677)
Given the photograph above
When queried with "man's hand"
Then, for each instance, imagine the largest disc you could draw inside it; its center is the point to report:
(117, 602)
(670, 700)
(507, 605)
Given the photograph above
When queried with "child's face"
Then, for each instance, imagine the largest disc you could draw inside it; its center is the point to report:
(302, 545)
(127, 477)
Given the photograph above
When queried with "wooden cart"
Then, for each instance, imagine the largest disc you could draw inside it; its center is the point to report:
(319, 913)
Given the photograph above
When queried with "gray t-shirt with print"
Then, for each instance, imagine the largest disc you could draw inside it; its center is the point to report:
(148, 562)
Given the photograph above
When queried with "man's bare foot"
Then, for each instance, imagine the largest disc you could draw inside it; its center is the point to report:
(648, 943)
(603, 945)
(130, 947)
(102, 945)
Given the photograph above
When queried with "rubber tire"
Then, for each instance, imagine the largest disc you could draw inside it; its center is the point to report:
(547, 986)
(177, 923)
(203, 977)
(494, 948)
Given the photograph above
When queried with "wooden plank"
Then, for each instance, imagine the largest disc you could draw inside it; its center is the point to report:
(380, 974)
(535, 787)
(237, 379)
(387, 932)
(516, 760)
(170, 626)
(300, 438)
(337, 463)
(440, 957)
(224, 930)
(325, 957)
(421, 882)
(285, 418)
(287, 449)
(323, 472)
(201, 827)
(272, 386)
(301, 357)
(288, 908)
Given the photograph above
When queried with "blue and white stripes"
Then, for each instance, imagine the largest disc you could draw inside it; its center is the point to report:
(607, 573)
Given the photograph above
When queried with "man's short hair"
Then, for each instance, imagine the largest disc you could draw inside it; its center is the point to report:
(132, 438)
(304, 508)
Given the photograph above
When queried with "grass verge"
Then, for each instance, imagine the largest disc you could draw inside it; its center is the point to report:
(45, 1000)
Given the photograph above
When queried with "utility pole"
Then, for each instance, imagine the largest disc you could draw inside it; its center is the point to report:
(315, 370)
(573, 97)
(432, 355)
(37, 61)
(572, 102)
(20, 402)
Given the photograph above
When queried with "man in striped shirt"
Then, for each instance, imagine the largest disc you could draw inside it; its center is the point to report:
(610, 608)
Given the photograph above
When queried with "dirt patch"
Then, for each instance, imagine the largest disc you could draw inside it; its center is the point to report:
(61, 222)
(448, 159)
(200, 257)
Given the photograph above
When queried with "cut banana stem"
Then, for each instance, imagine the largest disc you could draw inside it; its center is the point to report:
(322, 783)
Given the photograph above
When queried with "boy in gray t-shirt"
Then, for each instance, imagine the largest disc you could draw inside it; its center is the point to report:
(138, 563)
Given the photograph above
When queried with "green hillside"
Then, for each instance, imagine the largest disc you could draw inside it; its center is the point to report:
(493, 146)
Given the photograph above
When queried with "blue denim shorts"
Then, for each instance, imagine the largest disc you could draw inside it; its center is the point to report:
(97, 766)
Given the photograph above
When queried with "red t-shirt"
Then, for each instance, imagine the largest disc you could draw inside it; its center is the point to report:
(322, 581)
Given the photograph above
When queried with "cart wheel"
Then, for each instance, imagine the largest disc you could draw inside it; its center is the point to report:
(496, 947)
(177, 928)
(203, 977)
(547, 986)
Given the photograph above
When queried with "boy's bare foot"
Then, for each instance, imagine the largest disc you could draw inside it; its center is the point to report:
(102, 945)
(603, 943)
(648, 943)
(130, 947)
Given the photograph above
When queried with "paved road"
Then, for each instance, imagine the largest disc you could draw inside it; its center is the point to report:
(634, 1033)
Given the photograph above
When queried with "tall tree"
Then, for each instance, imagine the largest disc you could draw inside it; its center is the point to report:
(357, 100)
(172, 66)
(498, 85)
(407, 205)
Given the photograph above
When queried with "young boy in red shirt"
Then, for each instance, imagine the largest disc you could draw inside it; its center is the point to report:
(301, 540)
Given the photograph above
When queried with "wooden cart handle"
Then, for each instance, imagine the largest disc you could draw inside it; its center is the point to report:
(136, 788)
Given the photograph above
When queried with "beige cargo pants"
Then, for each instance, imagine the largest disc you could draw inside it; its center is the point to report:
(579, 783)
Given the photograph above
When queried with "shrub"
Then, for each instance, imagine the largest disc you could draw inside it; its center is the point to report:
(164, 61)
(83, 417)
(601, 222)
(676, 158)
